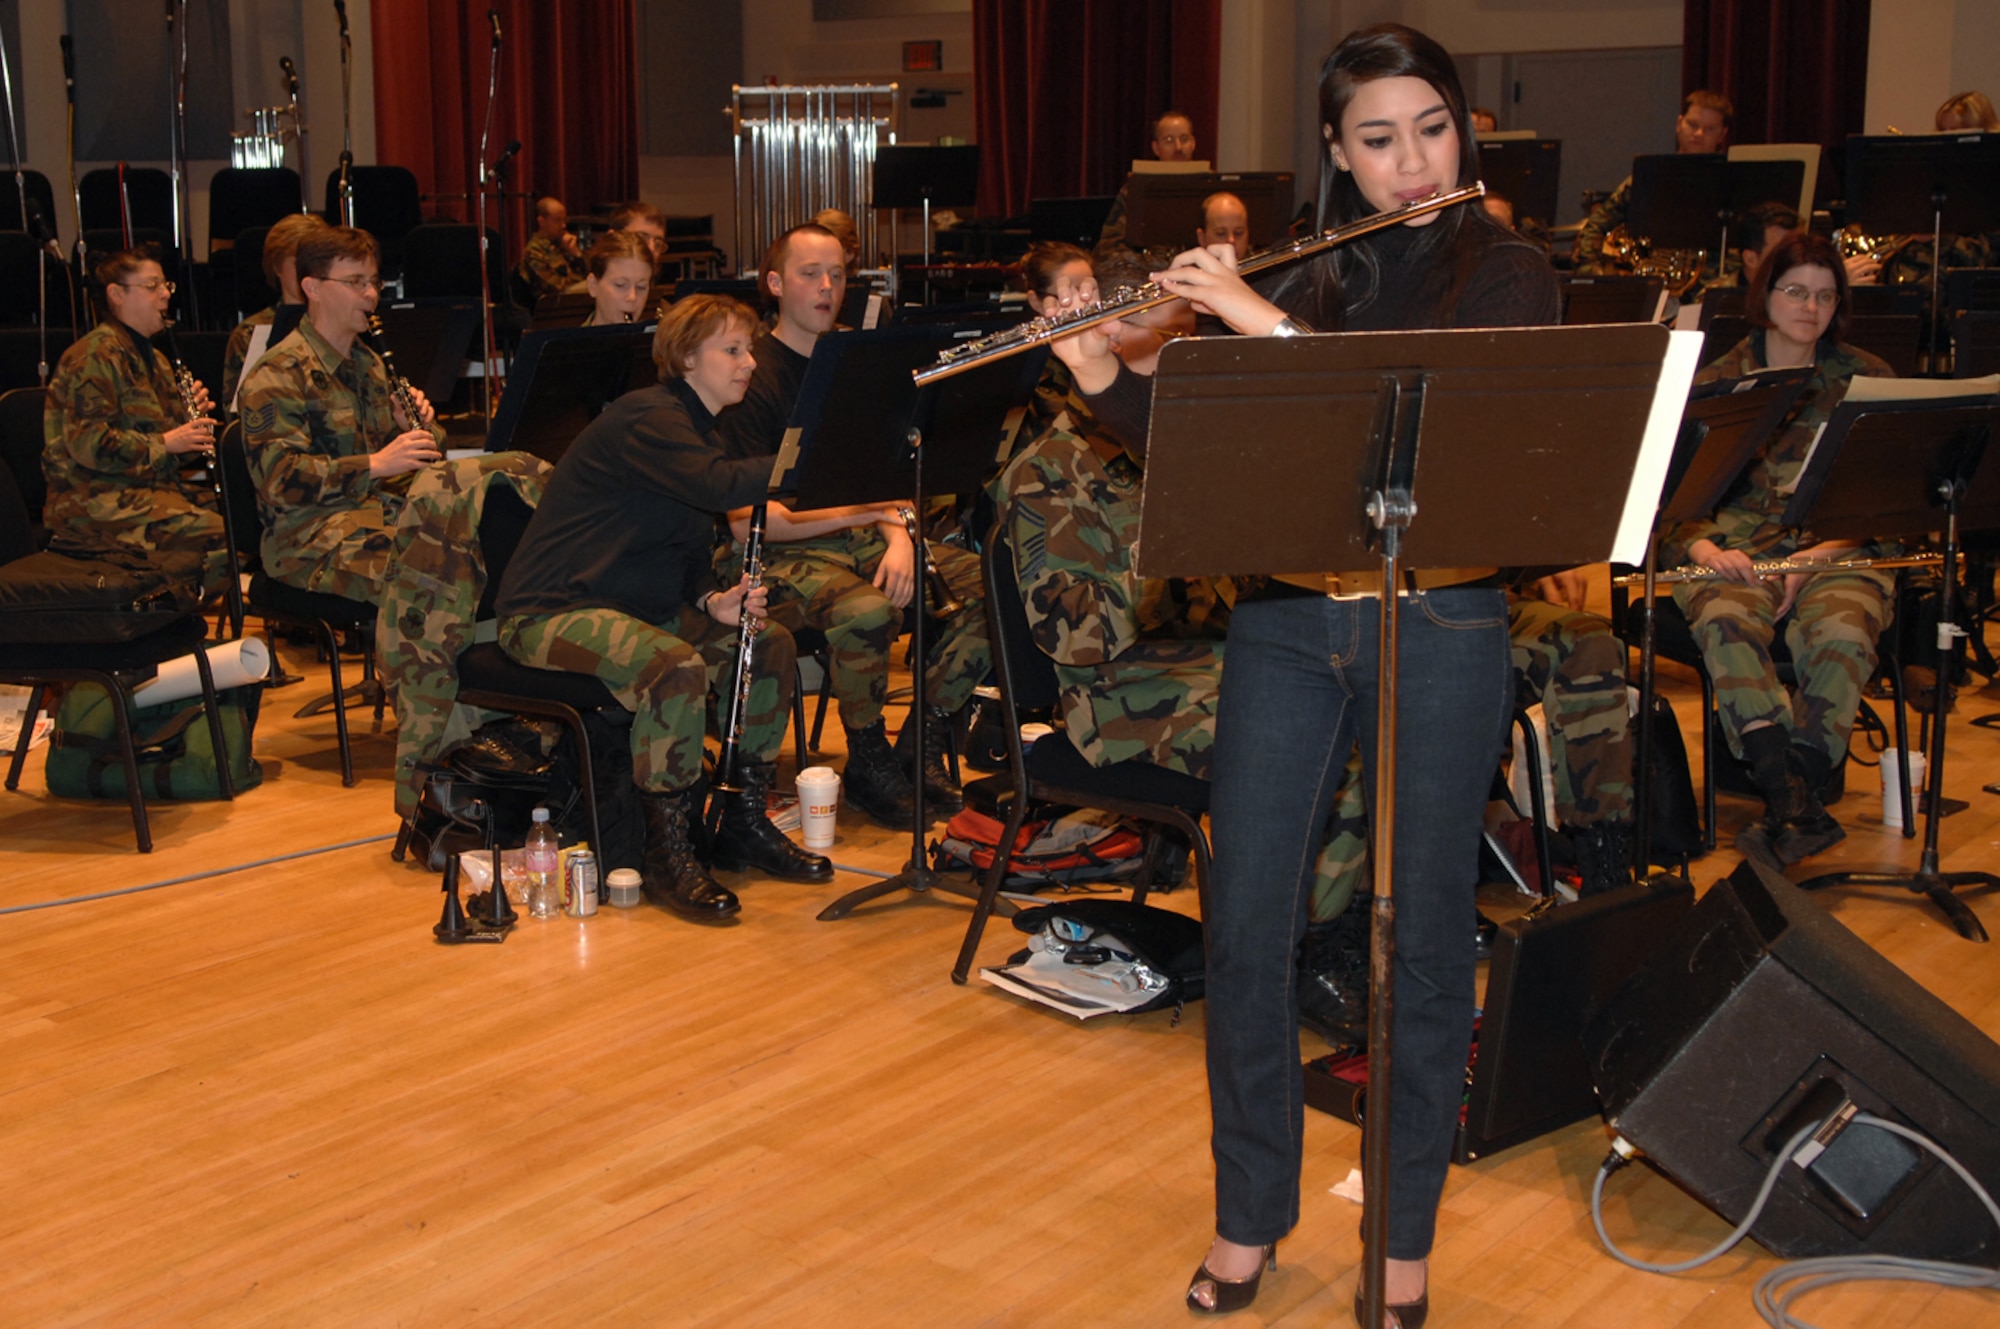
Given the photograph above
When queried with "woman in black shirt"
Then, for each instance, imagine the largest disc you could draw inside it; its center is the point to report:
(1300, 681)
(613, 578)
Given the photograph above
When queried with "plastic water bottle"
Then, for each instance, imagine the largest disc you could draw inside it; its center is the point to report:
(544, 892)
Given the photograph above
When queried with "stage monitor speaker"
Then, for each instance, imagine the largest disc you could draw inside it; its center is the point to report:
(1762, 1014)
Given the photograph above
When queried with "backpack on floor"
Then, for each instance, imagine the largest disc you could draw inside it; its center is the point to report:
(176, 753)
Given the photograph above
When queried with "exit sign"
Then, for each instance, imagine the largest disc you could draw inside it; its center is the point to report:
(923, 57)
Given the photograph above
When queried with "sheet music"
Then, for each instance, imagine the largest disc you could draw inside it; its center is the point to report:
(1864, 388)
(1656, 451)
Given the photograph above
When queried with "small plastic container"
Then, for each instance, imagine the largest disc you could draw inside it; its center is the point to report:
(623, 884)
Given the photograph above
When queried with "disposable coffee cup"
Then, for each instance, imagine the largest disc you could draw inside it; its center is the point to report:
(1892, 788)
(819, 797)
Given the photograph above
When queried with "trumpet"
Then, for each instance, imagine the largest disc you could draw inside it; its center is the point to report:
(1780, 567)
(1679, 269)
(1853, 242)
(1125, 303)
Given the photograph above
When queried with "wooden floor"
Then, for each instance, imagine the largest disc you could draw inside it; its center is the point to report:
(263, 1096)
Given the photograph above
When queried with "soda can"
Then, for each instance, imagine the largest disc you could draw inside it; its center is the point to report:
(580, 884)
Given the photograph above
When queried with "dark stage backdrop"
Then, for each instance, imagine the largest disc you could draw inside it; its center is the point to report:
(1797, 70)
(566, 92)
(124, 90)
(1067, 91)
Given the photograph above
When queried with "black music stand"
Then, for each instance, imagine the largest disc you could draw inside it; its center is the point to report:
(1901, 184)
(1884, 469)
(1690, 200)
(1525, 172)
(1722, 428)
(562, 379)
(1164, 208)
(1399, 451)
(862, 431)
(923, 177)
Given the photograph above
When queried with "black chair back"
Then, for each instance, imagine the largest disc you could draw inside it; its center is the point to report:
(41, 205)
(249, 289)
(442, 259)
(21, 444)
(1027, 676)
(502, 523)
(150, 190)
(17, 533)
(240, 198)
(387, 202)
(242, 525)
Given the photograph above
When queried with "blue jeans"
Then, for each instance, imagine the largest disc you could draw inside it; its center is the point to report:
(1299, 679)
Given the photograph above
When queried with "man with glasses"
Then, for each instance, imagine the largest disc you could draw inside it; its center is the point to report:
(1173, 141)
(329, 450)
(117, 434)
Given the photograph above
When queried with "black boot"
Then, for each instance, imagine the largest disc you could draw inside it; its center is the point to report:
(1603, 855)
(1795, 824)
(1333, 976)
(669, 874)
(873, 780)
(746, 841)
(941, 792)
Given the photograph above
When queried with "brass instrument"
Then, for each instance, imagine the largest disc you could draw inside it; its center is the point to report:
(943, 604)
(1125, 303)
(1780, 567)
(1853, 242)
(1678, 269)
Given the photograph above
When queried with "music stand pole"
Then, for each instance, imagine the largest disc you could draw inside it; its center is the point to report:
(346, 186)
(21, 193)
(486, 374)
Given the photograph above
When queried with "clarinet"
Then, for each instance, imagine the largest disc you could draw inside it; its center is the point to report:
(729, 765)
(943, 604)
(188, 388)
(400, 390)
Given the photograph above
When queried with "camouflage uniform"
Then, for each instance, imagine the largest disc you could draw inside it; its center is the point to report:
(109, 473)
(432, 598)
(238, 350)
(1139, 662)
(662, 674)
(548, 268)
(308, 432)
(1834, 624)
(1575, 667)
(1587, 252)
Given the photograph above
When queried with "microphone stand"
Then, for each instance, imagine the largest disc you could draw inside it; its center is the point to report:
(21, 193)
(298, 125)
(346, 118)
(75, 191)
(177, 153)
(485, 280)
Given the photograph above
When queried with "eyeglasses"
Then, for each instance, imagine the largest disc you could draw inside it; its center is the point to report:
(155, 285)
(1801, 295)
(359, 285)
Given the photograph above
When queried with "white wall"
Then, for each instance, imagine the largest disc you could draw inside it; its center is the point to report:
(1921, 52)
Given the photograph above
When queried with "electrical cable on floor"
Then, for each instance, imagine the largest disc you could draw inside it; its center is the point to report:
(192, 876)
(1778, 1290)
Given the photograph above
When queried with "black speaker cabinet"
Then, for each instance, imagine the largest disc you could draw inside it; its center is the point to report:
(1762, 1014)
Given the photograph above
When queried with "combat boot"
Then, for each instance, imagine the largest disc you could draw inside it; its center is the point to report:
(746, 841)
(669, 874)
(941, 792)
(873, 780)
(1795, 825)
(1333, 976)
(1603, 856)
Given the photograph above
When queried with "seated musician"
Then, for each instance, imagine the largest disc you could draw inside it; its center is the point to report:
(1057, 277)
(116, 433)
(1572, 663)
(1140, 660)
(649, 223)
(1907, 260)
(281, 269)
(850, 571)
(1173, 141)
(1703, 126)
(613, 578)
(620, 280)
(553, 261)
(1224, 221)
(329, 448)
(1831, 620)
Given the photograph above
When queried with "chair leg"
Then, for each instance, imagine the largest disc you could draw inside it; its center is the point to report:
(332, 644)
(798, 722)
(989, 890)
(589, 781)
(122, 713)
(1709, 720)
(819, 709)
(1895, 679)
(213, 706)
(35, 698)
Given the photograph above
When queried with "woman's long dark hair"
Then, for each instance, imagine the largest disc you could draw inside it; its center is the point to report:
(1346, 282)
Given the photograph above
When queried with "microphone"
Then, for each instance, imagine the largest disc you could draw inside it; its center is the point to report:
(38, 226)
(69, 67)
(493, 18)
(291, 74)
(507, 156)
(340, 8)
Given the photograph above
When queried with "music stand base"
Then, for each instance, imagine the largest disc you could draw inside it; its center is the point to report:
(917, 880)
(368, 692)
(1936, 886)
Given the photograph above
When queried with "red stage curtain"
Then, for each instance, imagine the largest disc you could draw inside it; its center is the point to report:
(566, 91)
(1797, 70)
(1067, 90)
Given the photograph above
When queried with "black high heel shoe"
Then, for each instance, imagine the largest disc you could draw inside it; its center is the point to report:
(1230, 1294)
(1404, 1315)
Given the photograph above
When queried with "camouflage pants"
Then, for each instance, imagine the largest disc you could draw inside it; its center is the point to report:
(833, 590)
(662, 674)
(1831, 632)
(347, 554)
(1576, 667)
(175, 521)
(1343, 866)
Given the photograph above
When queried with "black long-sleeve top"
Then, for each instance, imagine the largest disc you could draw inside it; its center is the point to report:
(755, 427)
(629, 517)
(1509, 284)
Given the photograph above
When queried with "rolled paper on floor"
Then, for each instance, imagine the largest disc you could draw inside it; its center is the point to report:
(234, 664)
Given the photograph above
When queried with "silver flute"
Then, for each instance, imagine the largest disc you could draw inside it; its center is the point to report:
(1780, 567)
